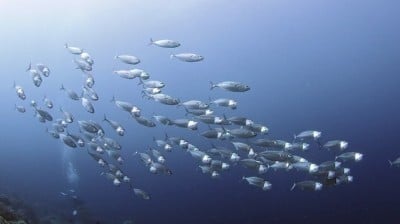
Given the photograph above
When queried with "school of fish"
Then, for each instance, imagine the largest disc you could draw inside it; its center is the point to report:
(236, 140)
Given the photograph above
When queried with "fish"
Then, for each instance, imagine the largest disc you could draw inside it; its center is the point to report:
(162, 119)
(145, 158)
(43, 69)
(20, 91)
(259, 128)
(254, 164)
(308, 185)
(195, 105)
(223, 102)
(163, 144)
(91, 127)
(70, 93)
(329, 165)
(165, 43)
(73, 50)
(305, 166)
(231, 86)
(46, 115)
(336, 145)
(157, 155)
(53, 134)
(128, 107)
(36, 78)
(68, 117)
(185, 123)
(206, 159)
(19, 108)
(128, 59)
(280, 156)
(240, 146)
(48, 102)
(87, 105)
(350, 156)
(77, 139)
(86, 56)
(242, 121)
(344, 179)
(91, 93)
(68, 140)
(151, 84)
(111, 177)
(133, 73)
(198, 112)
(395, 163)
(218, 165)
(188, 57)
(299, 146)
(258, 182)
(151, 91)
(83, 65)
(144, 121)
(241, 133)
(141, 193)
(308, 135)
(158, 168)
(164, 99)
(110, 143)
(212, 134)
(89, 81)
(115, 125)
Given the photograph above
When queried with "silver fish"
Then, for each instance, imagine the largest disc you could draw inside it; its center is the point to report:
(307, 185)
(350, 156)
(20, 91)
(115, 125)
(128, 59)
(87, 105)
(165, 43)
(73, 50)
(71, 94)
(258, 182)
(141, 193)
(231, 86)
(187, 57)
(20, 109)
(144, 121)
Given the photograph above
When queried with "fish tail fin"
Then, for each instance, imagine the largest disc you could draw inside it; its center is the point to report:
(187, 112)
(390, 162)
(243, 178)
(15, 106)
(116, 56)
(336, 157)
(166, 136)
(66, 45)
(14, 84)
(319, 144)
(113, 99)
(61, 109)
(293, 186)
(212, 85)
(29, 66)
(151, 42)
(62, 87)
(140, 81)
(210, 100)
(105, 118)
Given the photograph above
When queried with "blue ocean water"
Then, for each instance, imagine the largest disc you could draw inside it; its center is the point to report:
(311, 65)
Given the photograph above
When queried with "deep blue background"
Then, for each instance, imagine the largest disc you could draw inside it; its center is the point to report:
(324, 65)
